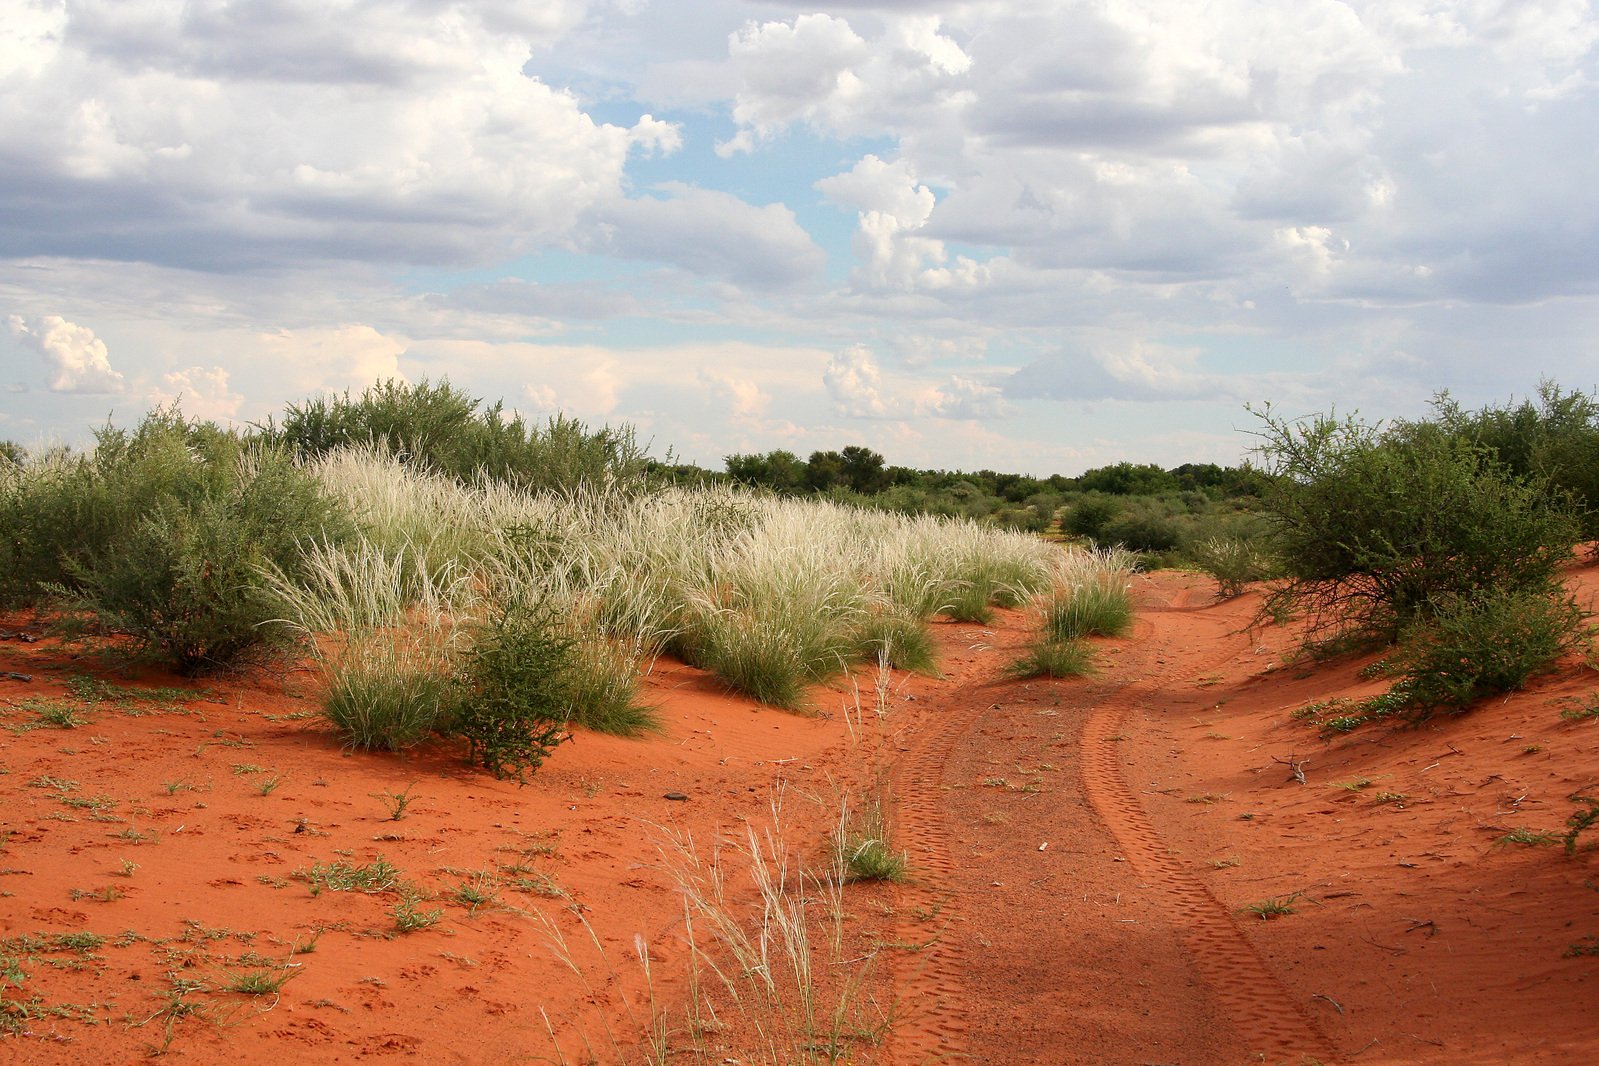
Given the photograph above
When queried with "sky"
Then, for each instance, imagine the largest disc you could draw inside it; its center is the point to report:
(1024, 235)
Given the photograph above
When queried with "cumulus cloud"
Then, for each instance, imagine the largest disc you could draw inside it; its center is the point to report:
(858, 389)
(201, 392)
(230, 135)
(818, 71)
(307, 361)
(77, 359)
(742, 396)
(709, 233)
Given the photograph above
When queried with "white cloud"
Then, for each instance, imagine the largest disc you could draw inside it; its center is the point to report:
(856, 385)
(77, 359)
(742, 396)
(201, 392)
(212, 133)
(709, 233)
(307, 361)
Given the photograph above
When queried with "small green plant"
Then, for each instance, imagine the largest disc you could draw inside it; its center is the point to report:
(395, 802)
(1355, 784)
(408, 917)
(379, 875)
(478, 892)
(259, 980)
(1530, 838)
(864, 843)
(1587, 712)
(127, 867)
(53, 713)
(269, 785)
(513, 706)
(1273, 907)
(1234, 562)
(1396, 798)
(1580, 820)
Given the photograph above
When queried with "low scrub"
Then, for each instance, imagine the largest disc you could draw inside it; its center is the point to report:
(1493, 643)
(196, 512)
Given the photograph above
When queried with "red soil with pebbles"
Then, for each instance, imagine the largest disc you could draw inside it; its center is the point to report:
(1084, 858)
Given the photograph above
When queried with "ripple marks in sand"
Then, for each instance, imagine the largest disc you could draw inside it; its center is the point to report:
(1246, 992)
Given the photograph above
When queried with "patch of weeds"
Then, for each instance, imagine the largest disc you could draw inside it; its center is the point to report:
(1320, 709)
(270, 784)
(59, 784)
(1272, 907)
(244, 768)
(1580, 820)
(172, 788)
(1584, 713)
(52, 713)
(1226, 862)
(308, 947)
(270, 881)
(90, 803)
(409, 917)
(379, 875)
(1588, 945)
(108, 894)
(258, 979)
(537, 884)
(1396, 798)
(127, 868)
(134, 836)
(1356, 784)
(395, 802)
(1530, 838)
(478, 892)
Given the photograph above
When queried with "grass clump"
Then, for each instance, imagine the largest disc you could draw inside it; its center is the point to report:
(1055, 658)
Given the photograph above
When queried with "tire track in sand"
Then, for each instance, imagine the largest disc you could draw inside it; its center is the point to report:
(1246, 991)
(930, 1024)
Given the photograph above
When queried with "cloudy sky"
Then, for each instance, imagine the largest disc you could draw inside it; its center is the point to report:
(1035, 235)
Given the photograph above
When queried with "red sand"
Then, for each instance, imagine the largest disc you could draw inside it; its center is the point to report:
(1083, 856)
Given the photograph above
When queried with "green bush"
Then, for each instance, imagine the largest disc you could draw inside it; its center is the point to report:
(514, 695)
(445, 430)
(1089, 514)
(1554, 442)
(1491, 643)
(174, 524)
(1054, 658)
(1376, 528)
(1234, 562)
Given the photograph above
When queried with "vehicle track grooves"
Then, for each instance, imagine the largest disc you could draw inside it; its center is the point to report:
(930, 1025)
(1249, 995)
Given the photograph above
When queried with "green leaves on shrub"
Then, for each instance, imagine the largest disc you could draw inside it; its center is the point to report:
(1376, 528)
(443, 429)
(158, 537)
(514, 689)
(1487, 644)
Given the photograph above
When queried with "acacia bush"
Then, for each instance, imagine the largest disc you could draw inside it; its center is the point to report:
(514, 689)
(1377, 528)
(156, 538)
(443, 429)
